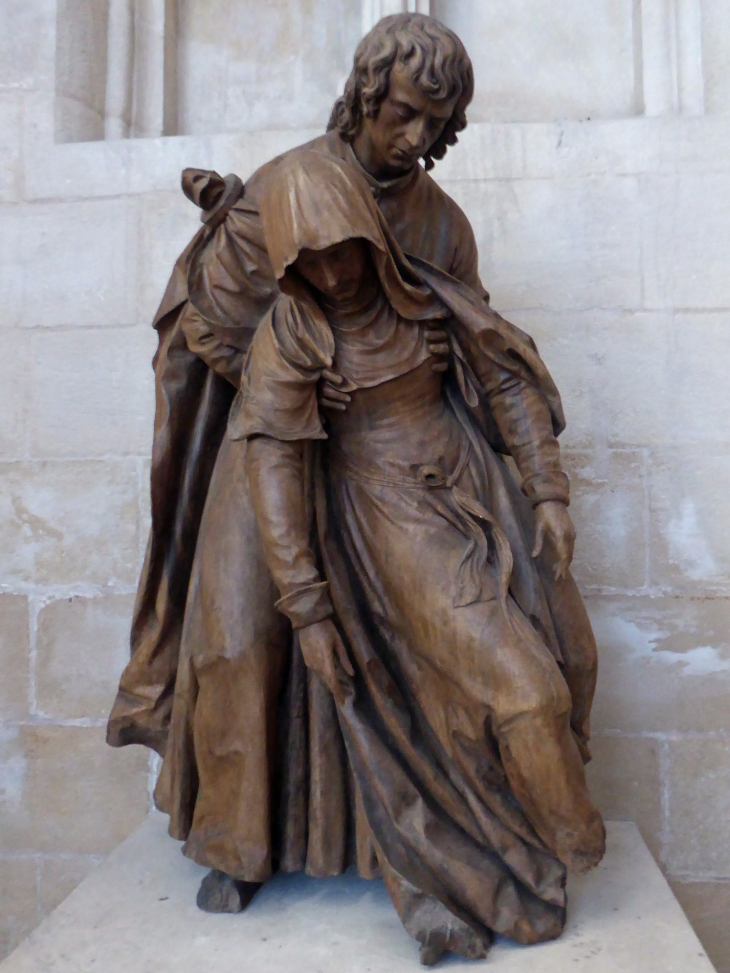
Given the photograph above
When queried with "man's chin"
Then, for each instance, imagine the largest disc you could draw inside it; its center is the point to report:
(401, 163)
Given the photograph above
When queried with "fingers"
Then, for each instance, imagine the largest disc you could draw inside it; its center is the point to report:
(335, 395)
(436, 334)
(564, 546)
(441, 366)
(437, 348)
(331, 398)
(332, 377)
(539, 538)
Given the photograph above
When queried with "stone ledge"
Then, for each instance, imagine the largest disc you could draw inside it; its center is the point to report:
(488, 150)
(137, 913)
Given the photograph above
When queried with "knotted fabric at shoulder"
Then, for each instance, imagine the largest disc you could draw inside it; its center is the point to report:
(214, 194)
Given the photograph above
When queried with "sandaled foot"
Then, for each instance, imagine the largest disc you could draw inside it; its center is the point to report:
(219, 892)
(431, 955)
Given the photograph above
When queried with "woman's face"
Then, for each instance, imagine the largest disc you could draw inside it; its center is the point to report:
(337, 272)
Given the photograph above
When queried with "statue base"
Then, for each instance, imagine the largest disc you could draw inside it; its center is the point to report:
(136, 913)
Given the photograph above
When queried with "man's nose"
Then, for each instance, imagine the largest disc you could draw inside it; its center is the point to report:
(415, 133)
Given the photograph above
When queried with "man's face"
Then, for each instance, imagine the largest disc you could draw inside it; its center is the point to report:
(406, 126)
(336, 272)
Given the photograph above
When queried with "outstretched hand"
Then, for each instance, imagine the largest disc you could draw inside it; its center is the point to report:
(552, 520)
(325, 654)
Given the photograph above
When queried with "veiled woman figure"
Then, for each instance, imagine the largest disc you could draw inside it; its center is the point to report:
(460, 666)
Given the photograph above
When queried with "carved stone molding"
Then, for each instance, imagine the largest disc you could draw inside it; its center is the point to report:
(671, 57)
(373, 10)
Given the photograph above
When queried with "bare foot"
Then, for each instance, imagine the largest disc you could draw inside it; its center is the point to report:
(219, 892)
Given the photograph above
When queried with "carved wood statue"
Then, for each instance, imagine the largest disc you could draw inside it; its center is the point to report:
(357, 640)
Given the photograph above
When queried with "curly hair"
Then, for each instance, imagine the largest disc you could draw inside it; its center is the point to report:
(438, 64)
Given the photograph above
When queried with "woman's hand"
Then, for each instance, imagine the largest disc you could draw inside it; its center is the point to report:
(553, 520)
(325, 654)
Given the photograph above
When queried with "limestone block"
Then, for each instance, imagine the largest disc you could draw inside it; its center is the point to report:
(289, 77)
(27, 44)
(156, 164)
(11, 108)
(716, 56)
(82, 647)
(77, 169)
(69, 522)
(607, 507)
(92, 392)
(699, 406)
(689, 518)
(570, 149)
(525, 62)
(12, 269)
(614, 373)
(168, 223)
(82, 27)
(137, 912)
(80, 260)
(686, 234)
(14, 372)
(562, 244)
(707, 905)
(699, 794)
(18, 902)
(14, 656)
(145, 512)
(625, 784)
(244, 152)
(67, 791)
(59, 876)
(664, 664)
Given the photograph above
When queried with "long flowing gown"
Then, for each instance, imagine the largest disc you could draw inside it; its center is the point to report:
(457, 724)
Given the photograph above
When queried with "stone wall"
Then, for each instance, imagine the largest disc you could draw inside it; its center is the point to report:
(607, 239)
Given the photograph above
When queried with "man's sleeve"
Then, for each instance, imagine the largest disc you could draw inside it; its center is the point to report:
(465, 265)
(223, 359)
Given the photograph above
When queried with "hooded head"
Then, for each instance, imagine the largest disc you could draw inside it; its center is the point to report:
(313, 204)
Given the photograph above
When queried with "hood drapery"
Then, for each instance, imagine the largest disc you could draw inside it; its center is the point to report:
(313, 201)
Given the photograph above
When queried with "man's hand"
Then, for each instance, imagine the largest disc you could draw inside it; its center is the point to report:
(553, 520)
(325, 654)
(438, 344)
(331, 397)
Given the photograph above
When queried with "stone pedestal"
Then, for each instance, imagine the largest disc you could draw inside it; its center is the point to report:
(136, 914)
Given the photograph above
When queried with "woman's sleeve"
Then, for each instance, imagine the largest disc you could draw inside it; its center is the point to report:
(277, 411)
(523, 418)
(277, 479)
(278, 395)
